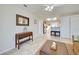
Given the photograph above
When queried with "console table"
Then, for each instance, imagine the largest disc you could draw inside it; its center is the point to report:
(20, 36)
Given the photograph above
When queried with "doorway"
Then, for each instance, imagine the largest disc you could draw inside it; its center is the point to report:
(51, 26)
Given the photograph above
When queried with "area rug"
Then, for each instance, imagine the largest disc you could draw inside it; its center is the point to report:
(61, 48)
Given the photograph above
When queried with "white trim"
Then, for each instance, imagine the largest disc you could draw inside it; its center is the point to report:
(6, 50)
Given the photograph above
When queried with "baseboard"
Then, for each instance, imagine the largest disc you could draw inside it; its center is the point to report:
(65, 38)
(6, 51)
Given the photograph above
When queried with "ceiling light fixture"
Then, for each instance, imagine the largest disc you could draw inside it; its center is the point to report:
(49, 8)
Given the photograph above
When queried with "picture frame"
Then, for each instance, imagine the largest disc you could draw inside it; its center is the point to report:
(22, 20)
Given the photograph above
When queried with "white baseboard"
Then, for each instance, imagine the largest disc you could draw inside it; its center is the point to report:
(65, 38)
(5, 51)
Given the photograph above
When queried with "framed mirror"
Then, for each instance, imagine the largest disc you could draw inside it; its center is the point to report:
(22, 20)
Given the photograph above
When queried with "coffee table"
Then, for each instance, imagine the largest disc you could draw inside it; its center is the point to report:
(46, 50)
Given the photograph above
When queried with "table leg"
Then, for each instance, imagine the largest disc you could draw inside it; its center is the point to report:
(15, 42)
(18, 44)
(32, 37)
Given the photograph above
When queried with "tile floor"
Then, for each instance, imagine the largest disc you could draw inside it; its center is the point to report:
(31, 48)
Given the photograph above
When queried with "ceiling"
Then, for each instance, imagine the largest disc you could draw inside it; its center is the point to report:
(59, 10)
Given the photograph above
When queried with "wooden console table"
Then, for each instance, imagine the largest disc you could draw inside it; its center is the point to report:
(20, 36)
